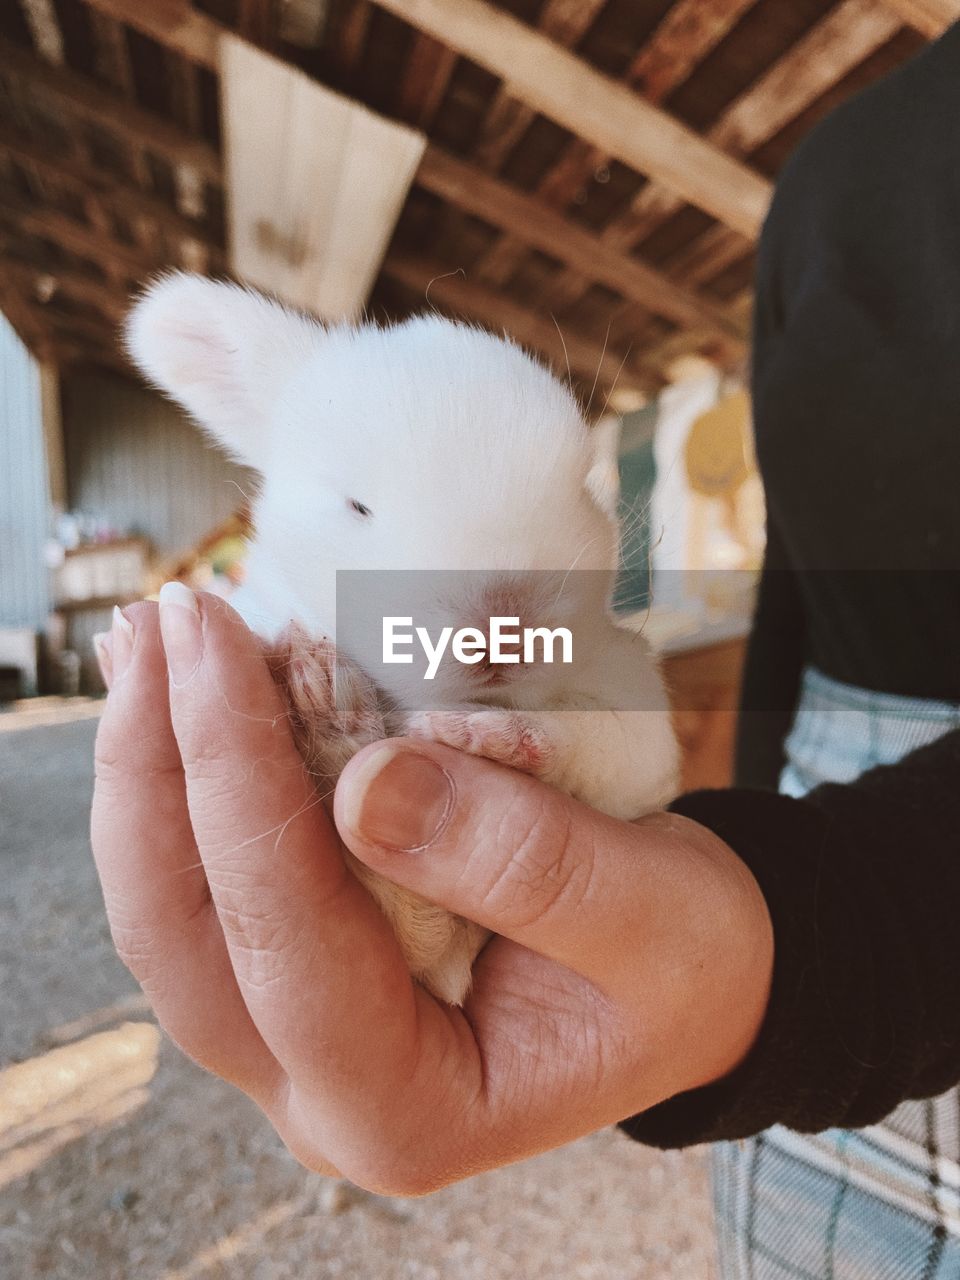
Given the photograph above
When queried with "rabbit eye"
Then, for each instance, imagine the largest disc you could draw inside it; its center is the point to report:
(359, 508)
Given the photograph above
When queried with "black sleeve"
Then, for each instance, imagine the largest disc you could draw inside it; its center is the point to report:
(777, 646)
(771, 673)
(863, 886)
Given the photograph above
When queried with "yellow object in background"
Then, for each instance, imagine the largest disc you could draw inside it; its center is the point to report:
(719, 449)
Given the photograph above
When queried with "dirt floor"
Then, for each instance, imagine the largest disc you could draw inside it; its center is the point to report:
(120, 1160)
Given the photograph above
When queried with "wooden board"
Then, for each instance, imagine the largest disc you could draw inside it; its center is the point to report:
(315, 183)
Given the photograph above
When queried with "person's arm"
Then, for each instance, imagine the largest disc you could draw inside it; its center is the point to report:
(771, 673)
(863, 886)
(777, 645)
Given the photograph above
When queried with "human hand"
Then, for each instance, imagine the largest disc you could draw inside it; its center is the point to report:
(633, 961)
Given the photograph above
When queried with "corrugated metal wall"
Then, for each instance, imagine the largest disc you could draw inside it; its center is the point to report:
(24, 510)
(133, 459)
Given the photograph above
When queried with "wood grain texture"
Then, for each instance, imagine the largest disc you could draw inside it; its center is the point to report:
(602, 111)
(315, 183)
(843, 39)
(534, 222)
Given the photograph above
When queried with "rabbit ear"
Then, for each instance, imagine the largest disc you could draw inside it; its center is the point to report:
(222, 352)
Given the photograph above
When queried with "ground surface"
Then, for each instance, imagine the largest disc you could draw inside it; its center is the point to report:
(119, 1160)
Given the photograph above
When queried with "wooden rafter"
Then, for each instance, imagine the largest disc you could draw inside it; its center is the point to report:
(86, 98)
(134, 263)
(85, 177)
(426, 79)
(176, 24)
(508, 118)
(930, 17)
(687, 34)
(839, 42)
(45, 29)
(352, 35)
(257, 21)
(43, 284)
(602, 111)
(538, 225)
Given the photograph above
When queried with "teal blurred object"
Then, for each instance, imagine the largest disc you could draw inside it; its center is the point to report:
(638, 471)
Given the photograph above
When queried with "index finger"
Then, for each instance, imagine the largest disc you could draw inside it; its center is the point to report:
(317, 964)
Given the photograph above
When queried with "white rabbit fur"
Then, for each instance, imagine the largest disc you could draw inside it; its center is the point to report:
(469, 455)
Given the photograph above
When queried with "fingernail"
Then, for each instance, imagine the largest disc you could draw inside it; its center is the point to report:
(401, 799)
(181, 629)
(102, 643)
(121, 643)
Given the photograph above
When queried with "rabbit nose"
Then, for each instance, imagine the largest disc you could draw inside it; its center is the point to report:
(507, 597)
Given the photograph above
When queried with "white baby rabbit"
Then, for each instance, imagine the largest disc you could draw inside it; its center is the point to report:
(428, 445)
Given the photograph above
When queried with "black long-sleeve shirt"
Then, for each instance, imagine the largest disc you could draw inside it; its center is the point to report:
(856, 385)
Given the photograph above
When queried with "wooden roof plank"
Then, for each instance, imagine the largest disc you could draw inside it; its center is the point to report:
(84, 96)
(605, 112)
(41, 18)
(690, 30)
(839, 42)
(174, 23)
(508, 118)
(84, 177)
(489, 198)
(71, 283)
(83, 240)
(427, 76)
(930, 17)
(258, 20)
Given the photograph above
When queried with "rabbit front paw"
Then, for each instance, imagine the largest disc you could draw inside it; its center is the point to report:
(513, 738)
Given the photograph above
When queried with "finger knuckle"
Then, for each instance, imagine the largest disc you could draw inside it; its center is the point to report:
(137, 945)
(549, 865)
(260, 938)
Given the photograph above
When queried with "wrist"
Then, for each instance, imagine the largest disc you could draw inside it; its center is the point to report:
(724, 954)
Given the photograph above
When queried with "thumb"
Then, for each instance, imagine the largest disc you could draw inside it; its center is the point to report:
(494, 845)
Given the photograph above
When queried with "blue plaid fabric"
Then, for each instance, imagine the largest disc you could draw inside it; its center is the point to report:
(881, 1203)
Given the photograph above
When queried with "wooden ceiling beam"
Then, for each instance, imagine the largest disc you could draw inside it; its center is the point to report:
(508, 118)
(930, 17)
(43, 283)
(839, 42)
(460, 297)
(496, 202)
(468, 188)
(80, 94)
(425, 80)
(842, 40)
(83, 241)
(258, 22)
(175, 23)
(89, 179)
(690, 30)
(44, 29)
(605, 112)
